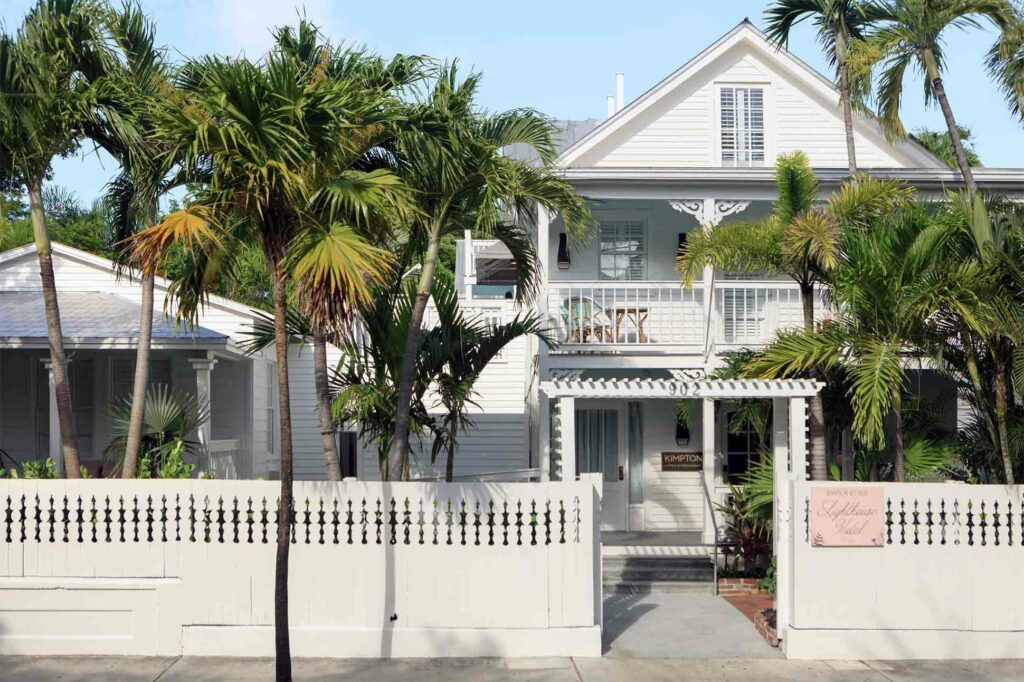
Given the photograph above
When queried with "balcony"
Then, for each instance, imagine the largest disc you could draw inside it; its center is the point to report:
(638, 316)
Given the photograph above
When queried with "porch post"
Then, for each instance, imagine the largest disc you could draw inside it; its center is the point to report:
(469, 272)
(781, 482)
(203, 368)
(54, 419)
(710, 462)
(544, 440)
(567, 437)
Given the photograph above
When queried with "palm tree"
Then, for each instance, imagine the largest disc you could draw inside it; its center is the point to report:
(941, 145)
(912, 34)
(364, 165)
(454, 164)
(138, 77)
(889, 279)
(465, 346)
(1006, 64)
(46, 76)
(837, 23)
(798, 240)
(253, 128)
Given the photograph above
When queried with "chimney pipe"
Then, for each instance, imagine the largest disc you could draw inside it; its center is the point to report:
(611, 105)
(620, 87)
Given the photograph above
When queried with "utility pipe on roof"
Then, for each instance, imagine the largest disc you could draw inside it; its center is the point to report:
(611, 105)
(620, 89)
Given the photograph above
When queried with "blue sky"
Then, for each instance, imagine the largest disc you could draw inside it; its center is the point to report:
(558, 56)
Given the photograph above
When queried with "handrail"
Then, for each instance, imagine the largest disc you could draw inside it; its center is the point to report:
(528, 474)
(714, 526)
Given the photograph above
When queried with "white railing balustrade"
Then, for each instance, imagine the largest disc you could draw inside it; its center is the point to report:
(749, 313)
(626, 313)
(743, 313)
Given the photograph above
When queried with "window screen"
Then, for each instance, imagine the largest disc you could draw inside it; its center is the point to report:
(623, 250)
(742, 125)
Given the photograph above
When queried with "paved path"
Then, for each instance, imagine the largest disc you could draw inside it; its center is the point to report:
(33, 669)
(679, 626)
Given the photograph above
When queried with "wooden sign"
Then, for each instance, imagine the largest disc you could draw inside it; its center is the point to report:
(682, 461)
(847, 516)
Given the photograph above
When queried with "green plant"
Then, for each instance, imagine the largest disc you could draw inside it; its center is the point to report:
(768, 582)
(39, 469)
(169, 418)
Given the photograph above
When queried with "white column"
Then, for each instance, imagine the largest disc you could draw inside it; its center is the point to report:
(544, 438)
(203, 368)
(544, 255)
(798, 439)
(708, 221)
(711, 468)
(567, 437)
(56, 452)
(469, 274)
(781, 485)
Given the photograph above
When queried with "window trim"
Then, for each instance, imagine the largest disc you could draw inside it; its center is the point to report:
(767, 103)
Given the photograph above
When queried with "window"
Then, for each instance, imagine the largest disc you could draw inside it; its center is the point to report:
(597, 442)
(623, 250)
(743, 315)
(271, 407)
(742, 448)
(742, 125)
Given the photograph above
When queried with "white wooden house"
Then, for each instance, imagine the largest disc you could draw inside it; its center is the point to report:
(696, 149)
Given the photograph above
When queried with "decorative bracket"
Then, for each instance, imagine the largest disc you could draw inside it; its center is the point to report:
(567, 374)
(700, 208)
(688, 374)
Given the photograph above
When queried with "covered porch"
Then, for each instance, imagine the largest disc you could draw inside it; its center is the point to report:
(662, 476)
(100, 337)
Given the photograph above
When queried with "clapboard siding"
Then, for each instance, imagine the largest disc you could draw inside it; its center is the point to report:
(672, 500)
(678, 128)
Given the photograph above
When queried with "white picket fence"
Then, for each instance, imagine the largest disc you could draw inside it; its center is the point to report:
(376, 569)
(944, 584)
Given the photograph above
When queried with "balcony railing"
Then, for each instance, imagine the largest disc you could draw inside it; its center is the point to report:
(612, 315)
(626, 313)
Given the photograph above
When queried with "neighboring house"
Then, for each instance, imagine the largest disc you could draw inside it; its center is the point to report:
(100, 318)
(697, 148)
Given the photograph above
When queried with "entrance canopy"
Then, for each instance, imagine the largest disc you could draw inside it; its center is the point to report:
(716, 389)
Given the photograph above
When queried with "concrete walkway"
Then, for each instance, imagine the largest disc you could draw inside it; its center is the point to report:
(679, 626)
(33, 669)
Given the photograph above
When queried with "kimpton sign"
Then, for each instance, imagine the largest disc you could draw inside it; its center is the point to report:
(847, 516)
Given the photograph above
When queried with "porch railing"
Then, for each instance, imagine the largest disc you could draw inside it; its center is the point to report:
(741, 313)
(626, 313)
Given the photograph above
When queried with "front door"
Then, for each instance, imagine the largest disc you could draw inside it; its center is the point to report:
(601, 447)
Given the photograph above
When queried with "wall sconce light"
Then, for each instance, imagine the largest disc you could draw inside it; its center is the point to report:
(682, 434)
(563, 252)
(682, 242)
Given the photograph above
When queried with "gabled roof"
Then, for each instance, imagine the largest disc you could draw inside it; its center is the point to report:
(90, 317)
(105, 264)
(744, 31)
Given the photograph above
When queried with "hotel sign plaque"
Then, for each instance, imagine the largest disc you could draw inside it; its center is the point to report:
(847, 516)
(682, 461)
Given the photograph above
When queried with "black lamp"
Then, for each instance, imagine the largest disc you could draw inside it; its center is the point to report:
(682, 434)
(563, 252)
(682, 241)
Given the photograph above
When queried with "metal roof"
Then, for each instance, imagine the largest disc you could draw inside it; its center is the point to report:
(89, 317)
(722, 389)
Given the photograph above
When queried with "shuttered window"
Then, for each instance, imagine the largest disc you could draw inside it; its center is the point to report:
(623, 250)
(742, 125)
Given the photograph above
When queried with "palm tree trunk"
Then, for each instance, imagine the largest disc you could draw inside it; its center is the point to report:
(971, 358)
(1001, 407)
(449, 469)
(844, 95)
(328, 437)
(281, 635)
(947, 113)
(899, 473)
(58, 360)
(400, 444)
(141, 380)
(818, 458)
